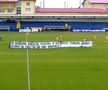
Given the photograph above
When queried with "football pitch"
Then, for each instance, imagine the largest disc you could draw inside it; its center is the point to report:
(57, 68)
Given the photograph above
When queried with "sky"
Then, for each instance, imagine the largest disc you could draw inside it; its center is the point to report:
(59, 3)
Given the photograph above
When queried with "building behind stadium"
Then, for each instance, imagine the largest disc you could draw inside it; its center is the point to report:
(25, 7)
(22, 14)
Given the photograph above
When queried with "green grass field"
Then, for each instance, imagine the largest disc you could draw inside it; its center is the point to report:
(54, 69)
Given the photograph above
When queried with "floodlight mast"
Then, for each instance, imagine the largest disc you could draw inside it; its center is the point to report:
(66, 4)
(80, 3)
(43, 3)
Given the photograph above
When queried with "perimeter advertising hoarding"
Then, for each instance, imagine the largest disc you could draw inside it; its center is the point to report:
(86, 30)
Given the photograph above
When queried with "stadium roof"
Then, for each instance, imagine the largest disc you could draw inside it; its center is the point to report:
(8, 0)
(97, 1)
(70, 10)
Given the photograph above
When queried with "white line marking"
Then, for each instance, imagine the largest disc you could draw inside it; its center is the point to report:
(28, 68)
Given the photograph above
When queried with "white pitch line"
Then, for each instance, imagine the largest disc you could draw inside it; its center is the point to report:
(28, 68)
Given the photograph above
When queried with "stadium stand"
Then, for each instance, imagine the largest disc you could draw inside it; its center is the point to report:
(5, 26)
(55, 25)
(73, 25)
